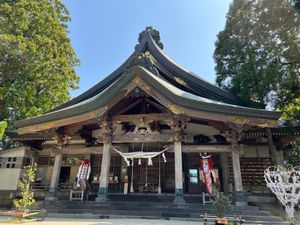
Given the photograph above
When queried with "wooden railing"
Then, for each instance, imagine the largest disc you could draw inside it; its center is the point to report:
(235, 220)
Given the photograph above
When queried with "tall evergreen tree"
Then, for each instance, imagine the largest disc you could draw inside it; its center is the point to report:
(36, 58)
(257, 57)
(257, 54)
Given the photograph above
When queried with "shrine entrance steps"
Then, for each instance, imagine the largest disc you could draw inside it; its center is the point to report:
(154, 207)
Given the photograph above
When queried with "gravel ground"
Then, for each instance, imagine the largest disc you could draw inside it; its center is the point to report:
(69, 221)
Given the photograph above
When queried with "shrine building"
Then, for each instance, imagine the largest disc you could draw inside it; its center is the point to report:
(145, 129)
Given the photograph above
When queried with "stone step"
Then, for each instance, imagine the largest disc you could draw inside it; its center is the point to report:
(142, 204)
(150, 212)
(141, 207)
(113, 216)
(158, 214)
(161, 210)
(165, 210)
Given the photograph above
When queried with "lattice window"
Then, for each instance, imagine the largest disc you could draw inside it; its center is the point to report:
(252, 173)
(72, 159)
(11, 162)
(43, 161)
(95, 167)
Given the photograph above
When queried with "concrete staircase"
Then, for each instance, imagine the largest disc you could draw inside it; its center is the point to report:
(155, 207)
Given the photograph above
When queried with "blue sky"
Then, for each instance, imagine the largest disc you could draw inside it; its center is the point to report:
(104, 33)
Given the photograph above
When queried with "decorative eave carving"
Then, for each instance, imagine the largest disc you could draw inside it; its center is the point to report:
(267, 123)
(137, 93)
(241, 120)
(142, 129)
(144, 60)
(138, 82)
(247, 121)
(176, 109)
(180, 81)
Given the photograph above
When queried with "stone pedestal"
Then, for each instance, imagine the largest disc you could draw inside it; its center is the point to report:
(52, 194)
(104, 176)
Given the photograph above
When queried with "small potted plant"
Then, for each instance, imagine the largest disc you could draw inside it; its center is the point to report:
(221, 203)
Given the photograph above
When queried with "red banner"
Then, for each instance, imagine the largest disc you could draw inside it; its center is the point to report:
(206, 165)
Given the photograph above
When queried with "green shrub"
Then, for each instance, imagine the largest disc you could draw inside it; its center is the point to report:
(221, 203)
(25, 187)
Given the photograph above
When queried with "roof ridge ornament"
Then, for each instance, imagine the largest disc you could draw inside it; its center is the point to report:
(143, 60)
(153, 33)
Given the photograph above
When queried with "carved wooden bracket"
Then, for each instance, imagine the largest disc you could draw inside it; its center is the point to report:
(59, 139)
(177, 123)
(234, 137)
(105, 138)
(66, 139)
(107, 129)
(56, 151)
(179, 136)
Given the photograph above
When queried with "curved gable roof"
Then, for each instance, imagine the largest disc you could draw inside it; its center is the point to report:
(172, 93)
(149, 40)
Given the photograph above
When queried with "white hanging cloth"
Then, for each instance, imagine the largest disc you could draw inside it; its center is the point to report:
(140, 155)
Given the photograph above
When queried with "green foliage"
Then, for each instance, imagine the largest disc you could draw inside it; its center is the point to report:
(221, 203)
(258, 52)
(36, 58)
(292, 156)
(3, 126)
(24, 185)
(292, 110)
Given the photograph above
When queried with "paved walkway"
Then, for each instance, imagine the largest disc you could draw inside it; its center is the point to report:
(68, 221)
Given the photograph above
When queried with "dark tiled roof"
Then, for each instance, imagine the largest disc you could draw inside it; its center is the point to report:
(167, 68)
(172, 93)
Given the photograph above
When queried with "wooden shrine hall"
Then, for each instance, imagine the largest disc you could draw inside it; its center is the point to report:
(146, 128)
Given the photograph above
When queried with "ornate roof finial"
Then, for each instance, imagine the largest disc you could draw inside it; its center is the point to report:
(154, 34)
(143, 60)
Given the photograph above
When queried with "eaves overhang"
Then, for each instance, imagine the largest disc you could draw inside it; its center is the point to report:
(170, 92)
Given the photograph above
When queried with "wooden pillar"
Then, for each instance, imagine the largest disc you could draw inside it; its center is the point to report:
(276, 156)
(106, 139)
(225, 172)
(53, 189)
(178, 168)
(104, 175)
(177, 124)
(239, 193)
